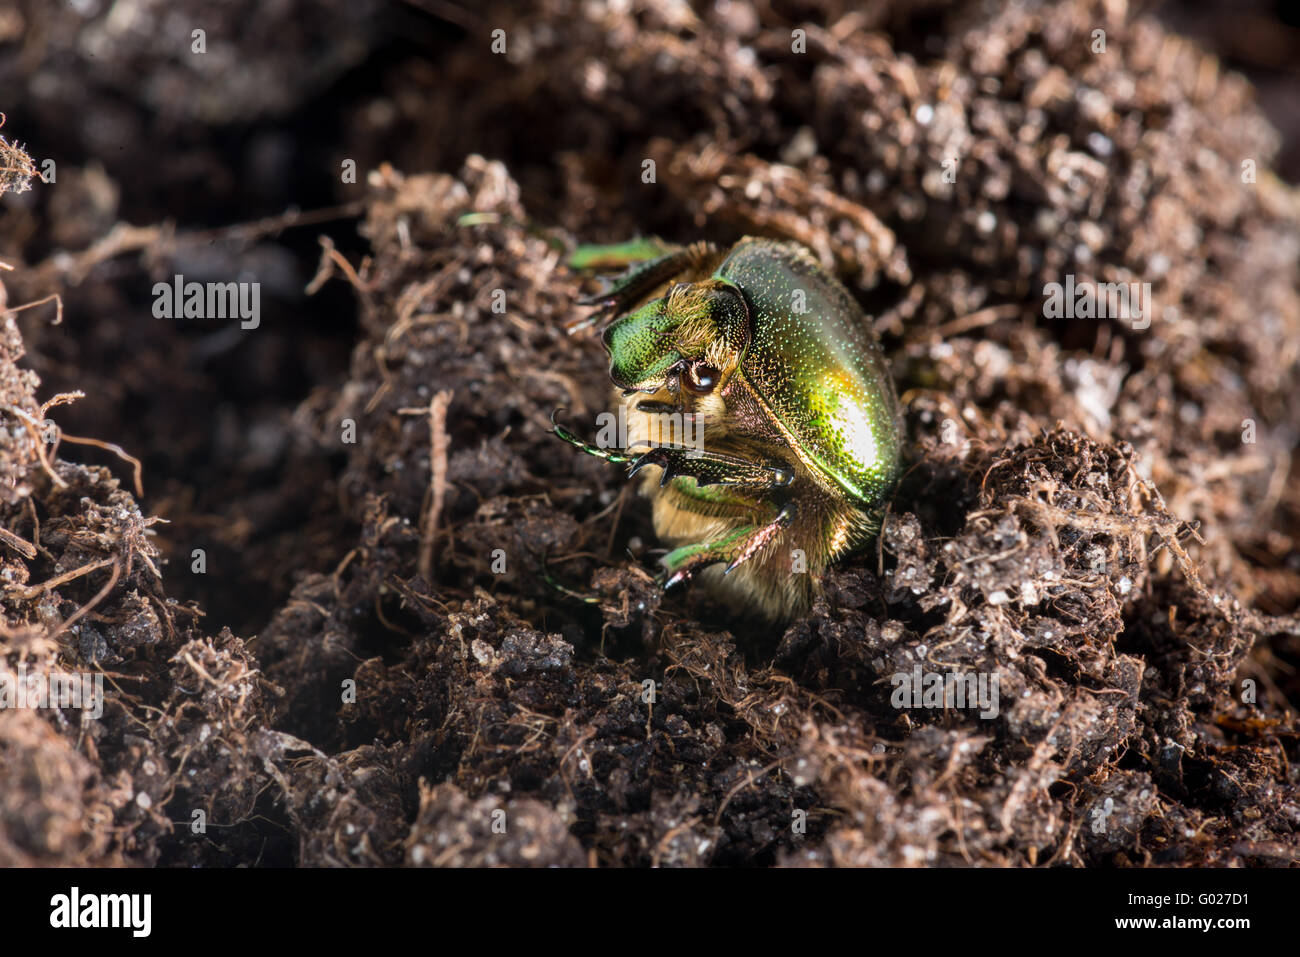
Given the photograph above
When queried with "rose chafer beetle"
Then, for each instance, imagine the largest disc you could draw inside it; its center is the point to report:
(783, 433)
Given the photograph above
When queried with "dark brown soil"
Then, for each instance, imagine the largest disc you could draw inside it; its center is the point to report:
(1103, 517)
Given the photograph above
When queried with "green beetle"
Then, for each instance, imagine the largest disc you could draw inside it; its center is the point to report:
(757, 403)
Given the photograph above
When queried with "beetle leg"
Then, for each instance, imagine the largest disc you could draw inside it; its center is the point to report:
(607, 257)
(707, 468)
(617, 456)
(653, 264)
(713, 468)
(735, 549)
(630, 287)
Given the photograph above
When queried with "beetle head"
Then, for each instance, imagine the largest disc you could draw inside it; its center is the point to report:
(693, 336)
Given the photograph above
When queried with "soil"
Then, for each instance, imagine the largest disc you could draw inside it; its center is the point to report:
(420, 630)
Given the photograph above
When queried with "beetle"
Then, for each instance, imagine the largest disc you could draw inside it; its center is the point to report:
(770, 364)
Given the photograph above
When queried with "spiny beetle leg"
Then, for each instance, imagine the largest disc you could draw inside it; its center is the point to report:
(637, 281)
(681, 563)
(763, 535)
(735, 549)
(713, 468)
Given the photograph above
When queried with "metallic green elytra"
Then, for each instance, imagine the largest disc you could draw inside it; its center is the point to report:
(757, 403)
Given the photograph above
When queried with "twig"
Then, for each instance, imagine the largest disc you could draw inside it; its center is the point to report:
(329, 258)
(85, 609)
(124, 238)
(750, 779)
(437, 480)
(26, 548)
(34, 428)
(116, 450)
(974, 320)
(31, 591)
(58, 306)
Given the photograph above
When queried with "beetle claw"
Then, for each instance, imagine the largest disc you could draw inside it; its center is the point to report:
(677, 579)
(653, 457)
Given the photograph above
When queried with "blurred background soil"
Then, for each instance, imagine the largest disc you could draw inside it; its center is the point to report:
(371, 663)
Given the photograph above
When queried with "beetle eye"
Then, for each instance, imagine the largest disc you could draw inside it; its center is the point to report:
(700, 379)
